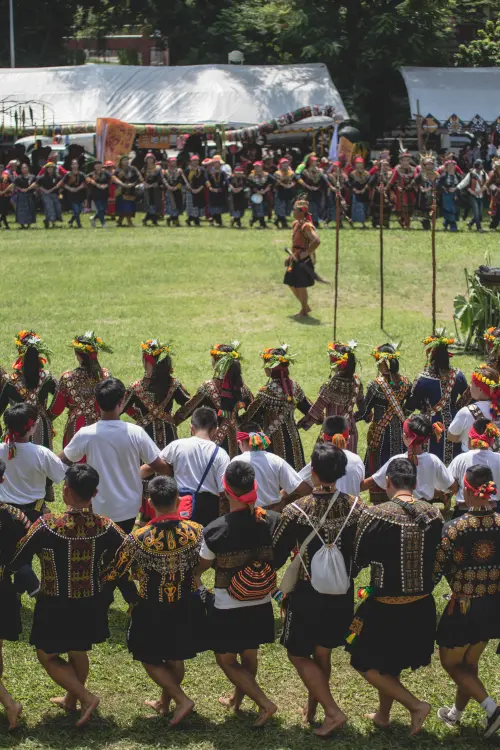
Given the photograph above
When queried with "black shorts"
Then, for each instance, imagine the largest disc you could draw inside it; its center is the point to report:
(62, 625)
(232, 631)
(314, 619)
(301, 274)
(477, 623)
(10, 614)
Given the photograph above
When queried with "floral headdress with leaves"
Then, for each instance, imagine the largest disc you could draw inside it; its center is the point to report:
(274, 357)
(156, 350)
(492, 340)
(30, 340)
(380, 356)
(339, 359)
(440, 338)
(90, 344)
(223, 359)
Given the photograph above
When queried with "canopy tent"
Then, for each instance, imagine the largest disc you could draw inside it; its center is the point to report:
(232, 95)
(447, 92)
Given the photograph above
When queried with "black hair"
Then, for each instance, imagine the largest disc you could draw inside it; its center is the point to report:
(161, 379)
(335, 425)
(481, 424)
(98, 161)
(2, 468)
(393, 364)
(402, 474)
(477, 475)
(204, 418)
(83, 480)
(439, 360)
(347, 372)
(240, 476)
(31, 367)
(163, 492)
(17, 417)
(328, 463)
(92, 366)
(420, 424)
(109, 393)
(249, 427)
(234, 380)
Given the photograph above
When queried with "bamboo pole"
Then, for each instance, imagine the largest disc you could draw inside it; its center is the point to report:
(381, 219)
(433, 253)
(337, 248)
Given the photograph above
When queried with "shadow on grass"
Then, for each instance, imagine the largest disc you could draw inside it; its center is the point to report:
(306, 321)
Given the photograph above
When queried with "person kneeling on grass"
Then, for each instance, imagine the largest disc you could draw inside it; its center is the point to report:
(169, 621)
(395, 626)
(71, 612)
(239, 546)
(469, 559)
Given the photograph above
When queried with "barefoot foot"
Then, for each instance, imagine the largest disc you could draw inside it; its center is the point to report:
(181, 711)
(382, 722)
(265, 714)
(158, 707)
(14, 714)
(87, 711)
(331, 724)
(229, 702)
(308, 713)
(418, 717)
(66, 703)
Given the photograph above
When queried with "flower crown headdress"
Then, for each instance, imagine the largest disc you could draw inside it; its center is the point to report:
(337, 358)
(276, 356)
(27, 340)
(224, 360)
(90, 344)
(156, 349)
(438, 339)
(378, 355)
(492, 341)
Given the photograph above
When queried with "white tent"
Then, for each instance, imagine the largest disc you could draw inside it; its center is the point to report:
(236, 95)
(464, 92)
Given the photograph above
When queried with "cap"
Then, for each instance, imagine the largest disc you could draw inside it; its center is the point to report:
(238, 168)
(258, 164)
(172, 158)
(194, 157)
(283, 161)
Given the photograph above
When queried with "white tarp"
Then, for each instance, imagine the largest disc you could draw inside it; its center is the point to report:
(236, 95)
(464, 92)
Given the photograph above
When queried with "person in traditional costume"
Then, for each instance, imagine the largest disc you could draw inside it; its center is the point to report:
(275, 403)
(316, 623)
(216, 185)
(24, 186)
(384, 409)
(71, 611)
(153, 190)
(31, 383)
(285, 185)
(475, 184)
(337, 186)
(300, 274)
(127, 178)
(174, 182)
(340, 394)
(99, 181)
(469, 558)
(426, 180)
(75, 183)
(6, 188)
(436, 391)
(48, 184)
(196, 179)
(150, 400)
(168, 623)
(225, 392)
(380, 181)
(492, 338)
(359, 182)
(238, 200)
(313, 181)
(448, 186)
(394, 627)
(239, 545)
(493, 185)
(13, 527)
(260, 183)
(76, 388)
(111, 207)
(485, 394)
(403, 184)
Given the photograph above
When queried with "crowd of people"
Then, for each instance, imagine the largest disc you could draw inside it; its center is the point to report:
(151, 513)
(206, 189)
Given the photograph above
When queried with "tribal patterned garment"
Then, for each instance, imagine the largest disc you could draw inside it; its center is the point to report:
(162, 558)
(274, 411)
(210, 394)
(13, 527)
(399, 545)
(16, 391)
(74, 548)
(76, 393)
(469, 554)
(437, 397)
(337, 398)
(155, 416)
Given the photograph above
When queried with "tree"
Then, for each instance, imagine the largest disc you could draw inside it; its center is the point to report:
(484, 51)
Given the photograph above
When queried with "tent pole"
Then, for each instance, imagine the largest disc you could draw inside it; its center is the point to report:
(420, 140)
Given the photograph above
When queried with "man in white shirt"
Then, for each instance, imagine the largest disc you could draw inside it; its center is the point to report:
(480, 391)
(432, 474)
(272, 473)
(198, 466)
(482, 435)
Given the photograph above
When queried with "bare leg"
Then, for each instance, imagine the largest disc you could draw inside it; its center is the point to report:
(166, 678)
(382, 717)
(393, 688)
(12, 709)
(64, 674)
(317, 684)
(301, 295)
(243, 679)
(80, 662)
(250, 662)
(471, 658)
(1, 659)
(162, 706)
(463, 670)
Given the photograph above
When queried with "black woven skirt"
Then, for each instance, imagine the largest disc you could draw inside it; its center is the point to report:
(301, 274)
(10, 614)
(232, 631)
(393, 637)
(62, 625)
(167, 632)
(479, 622)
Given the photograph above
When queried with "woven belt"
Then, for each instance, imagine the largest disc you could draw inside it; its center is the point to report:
(399, 599)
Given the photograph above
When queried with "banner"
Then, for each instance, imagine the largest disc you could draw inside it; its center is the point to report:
(346, 148)
(114, 138)
(154, 141)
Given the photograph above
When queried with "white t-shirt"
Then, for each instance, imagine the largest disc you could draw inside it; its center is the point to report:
(464, 420)
(26, 474)
(351, 481)
(272, 473)
(116, 450)
(432, 475)
(478, 457)
(189, 458)
(222, 599)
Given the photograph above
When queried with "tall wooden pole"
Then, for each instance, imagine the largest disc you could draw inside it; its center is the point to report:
(433, 250)
(337, 247)
(381, 220)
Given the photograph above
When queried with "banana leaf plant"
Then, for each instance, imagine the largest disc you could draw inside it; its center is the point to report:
(475, 312)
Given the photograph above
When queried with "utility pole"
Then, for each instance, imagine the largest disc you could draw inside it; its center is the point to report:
(11, 34)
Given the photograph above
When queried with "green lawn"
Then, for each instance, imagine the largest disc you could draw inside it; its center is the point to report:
(198, 287)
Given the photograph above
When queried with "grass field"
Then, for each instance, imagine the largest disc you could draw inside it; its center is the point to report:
(196, 288)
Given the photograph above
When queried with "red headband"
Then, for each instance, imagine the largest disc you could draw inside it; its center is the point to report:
(438, 429)
(492, 392)
(11, 437)
(248, 498)
(484, 491)
(486, 439)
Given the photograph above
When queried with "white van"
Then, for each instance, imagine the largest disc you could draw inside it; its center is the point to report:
(87, 140)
